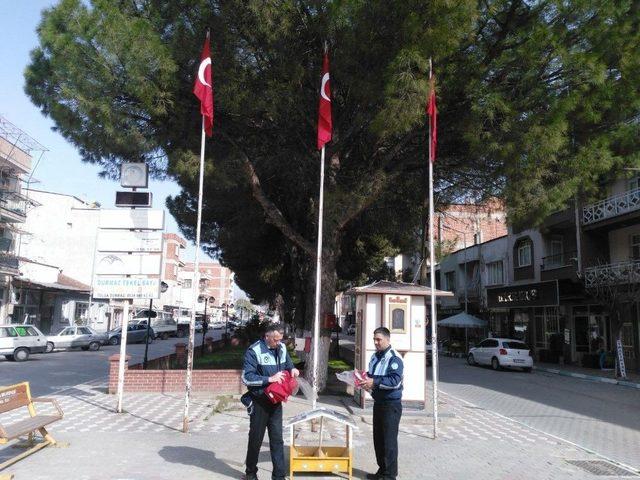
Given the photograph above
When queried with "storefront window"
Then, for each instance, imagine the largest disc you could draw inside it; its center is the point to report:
(547, 323)
(520, 325)
(81, 314)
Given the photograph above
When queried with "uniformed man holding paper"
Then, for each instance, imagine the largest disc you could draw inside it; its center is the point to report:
(384, 382)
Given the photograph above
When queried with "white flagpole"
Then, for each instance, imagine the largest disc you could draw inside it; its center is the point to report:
(195, 286)
(124, 325)
(432, 260)
(316, 318)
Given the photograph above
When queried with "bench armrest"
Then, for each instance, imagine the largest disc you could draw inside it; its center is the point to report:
(3, 434)
(53, 401)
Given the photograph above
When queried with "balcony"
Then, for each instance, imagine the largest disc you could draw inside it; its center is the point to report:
(612, 207)
(8, 264)
(612, 274)
(13, 206)
(558, 267)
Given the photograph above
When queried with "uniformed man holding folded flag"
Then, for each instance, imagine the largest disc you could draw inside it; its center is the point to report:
(384, 382)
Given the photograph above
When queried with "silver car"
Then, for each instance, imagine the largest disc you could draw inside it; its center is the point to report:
(76, 337)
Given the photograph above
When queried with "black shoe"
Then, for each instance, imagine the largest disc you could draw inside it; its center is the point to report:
(250, 476)
(373, 476)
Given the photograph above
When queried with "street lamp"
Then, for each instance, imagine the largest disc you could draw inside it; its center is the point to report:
(226, 323)
(205, 323)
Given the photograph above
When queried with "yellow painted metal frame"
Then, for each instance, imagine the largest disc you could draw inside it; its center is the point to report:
(329, 459)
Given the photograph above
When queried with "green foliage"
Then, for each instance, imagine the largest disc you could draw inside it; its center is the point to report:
(538, 101)
(225, 358)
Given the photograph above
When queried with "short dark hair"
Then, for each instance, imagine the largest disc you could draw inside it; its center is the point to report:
(274, 327)
(383, 331)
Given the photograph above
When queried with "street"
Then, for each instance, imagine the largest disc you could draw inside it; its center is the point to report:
(51, 372)
(600, 417)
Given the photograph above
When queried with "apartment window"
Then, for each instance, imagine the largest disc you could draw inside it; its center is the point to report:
(450, 281)
(186, 283)
(495, 273)
(524, 253)
(634, 183)
(635, 247)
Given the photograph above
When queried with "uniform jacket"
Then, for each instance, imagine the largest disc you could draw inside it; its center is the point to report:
(387, 370)
(260, 363)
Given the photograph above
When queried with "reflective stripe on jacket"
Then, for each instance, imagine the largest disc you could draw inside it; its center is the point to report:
(260, 363)
(387, 370)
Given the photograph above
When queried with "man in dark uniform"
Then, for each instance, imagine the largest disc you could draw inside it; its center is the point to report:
(385, 385)
(264, 363)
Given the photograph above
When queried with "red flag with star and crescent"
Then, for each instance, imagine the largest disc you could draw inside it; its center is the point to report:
(203, 87)
(432, 111)
(325, 124)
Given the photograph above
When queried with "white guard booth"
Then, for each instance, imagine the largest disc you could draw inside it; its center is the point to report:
(403, 308)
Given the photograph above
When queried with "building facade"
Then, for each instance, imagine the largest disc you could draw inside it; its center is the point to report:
(17, 152)
(564, 287)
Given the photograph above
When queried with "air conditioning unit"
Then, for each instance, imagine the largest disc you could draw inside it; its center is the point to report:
(134, 175)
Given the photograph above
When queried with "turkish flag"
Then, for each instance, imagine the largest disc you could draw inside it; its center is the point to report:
(432, 111)
(203, 87)
(325, 125)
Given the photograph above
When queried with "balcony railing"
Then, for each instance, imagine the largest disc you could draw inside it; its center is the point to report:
(611, 207)
(565, 259)
(8, 261)
(613, 274)
(14, 202)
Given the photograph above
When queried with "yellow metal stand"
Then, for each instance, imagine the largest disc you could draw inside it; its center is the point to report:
(321, 459)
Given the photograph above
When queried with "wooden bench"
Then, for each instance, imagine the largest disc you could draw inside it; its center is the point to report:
(18, 396)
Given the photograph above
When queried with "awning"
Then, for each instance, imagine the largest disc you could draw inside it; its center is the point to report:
(55, 286)
(463, 320)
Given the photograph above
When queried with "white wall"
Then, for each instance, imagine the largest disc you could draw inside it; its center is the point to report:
(62, 232)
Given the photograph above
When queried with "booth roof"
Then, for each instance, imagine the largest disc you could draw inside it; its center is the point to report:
(462, 320)
(401, 288)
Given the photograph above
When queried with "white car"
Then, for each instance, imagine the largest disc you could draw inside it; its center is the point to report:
(501, 353)
(77, 336)
(17, 342)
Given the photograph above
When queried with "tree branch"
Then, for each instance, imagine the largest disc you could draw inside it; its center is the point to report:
(273, 214)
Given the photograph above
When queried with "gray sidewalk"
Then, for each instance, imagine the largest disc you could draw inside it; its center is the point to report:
(145, 443)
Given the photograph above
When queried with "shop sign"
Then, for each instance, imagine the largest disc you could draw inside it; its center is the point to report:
(126, 287)
(531, 295)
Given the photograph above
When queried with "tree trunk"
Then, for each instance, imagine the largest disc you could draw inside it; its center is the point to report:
(327, 300)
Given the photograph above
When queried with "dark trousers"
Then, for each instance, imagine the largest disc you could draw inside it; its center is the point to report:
(266, 416)
(386, 420)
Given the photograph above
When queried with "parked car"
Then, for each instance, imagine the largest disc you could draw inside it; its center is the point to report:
(501, 353)
(17, 342)
(135, 333)
(351, 329)
(77, 337)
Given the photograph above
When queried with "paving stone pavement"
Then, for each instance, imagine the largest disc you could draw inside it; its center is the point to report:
(472, 443)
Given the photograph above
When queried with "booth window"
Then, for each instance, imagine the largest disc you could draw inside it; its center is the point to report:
(397, 320)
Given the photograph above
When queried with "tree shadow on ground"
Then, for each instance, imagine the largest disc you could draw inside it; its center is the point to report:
(205, 459)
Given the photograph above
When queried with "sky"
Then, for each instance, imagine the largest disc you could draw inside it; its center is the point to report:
(60, 169)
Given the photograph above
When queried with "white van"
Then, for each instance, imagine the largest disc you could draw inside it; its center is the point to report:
(18, 341)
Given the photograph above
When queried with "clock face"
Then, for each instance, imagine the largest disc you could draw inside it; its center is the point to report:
(133, 175)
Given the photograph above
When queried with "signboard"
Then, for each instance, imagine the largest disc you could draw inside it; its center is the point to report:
(122, 264)
(623, 370)
(140, 219)
(128, 241)
(126, 287)
(543, 294)
(567, 336)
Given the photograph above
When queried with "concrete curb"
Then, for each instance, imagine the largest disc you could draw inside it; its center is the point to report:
(592, 378)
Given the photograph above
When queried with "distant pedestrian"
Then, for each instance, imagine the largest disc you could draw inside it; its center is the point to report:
(265, 362)
(385, 385)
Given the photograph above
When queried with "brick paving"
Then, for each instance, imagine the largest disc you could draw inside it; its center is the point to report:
(145, 442)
